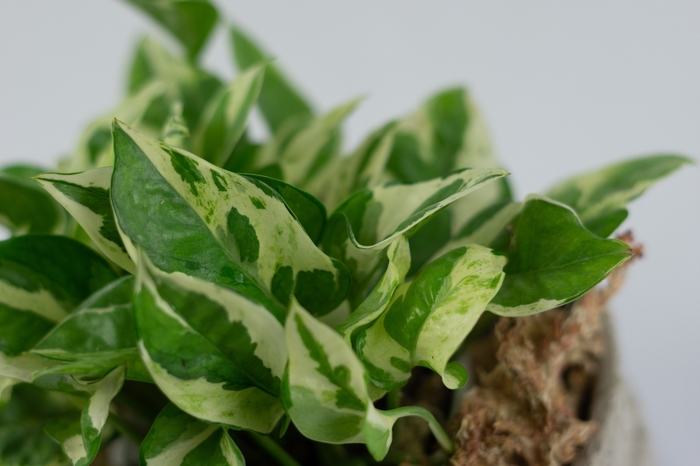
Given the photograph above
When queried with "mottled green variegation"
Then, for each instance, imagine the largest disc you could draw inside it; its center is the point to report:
(365, 224)
(218, 226)
(429, 318)
(215, 354)
(600, 197)
(218, 285)
(179, 439)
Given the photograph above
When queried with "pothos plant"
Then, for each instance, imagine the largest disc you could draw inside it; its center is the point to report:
(172, 262)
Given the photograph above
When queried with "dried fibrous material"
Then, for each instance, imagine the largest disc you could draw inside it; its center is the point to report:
(534, 406)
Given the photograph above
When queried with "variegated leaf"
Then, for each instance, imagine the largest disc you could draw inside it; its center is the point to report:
(225, 117)
(175, 131)
(189, 21)
(97, 337)
(184, 82)
(86, 197)
(179, 439)
(375, 303)
(95, 145)
(325, 390)
(552, 259)
(215, 354)
(600, 197)
(80, 438)
(364, 225)
(207, 222)
(429, 318)
(42, 279)
(308, 210)
(313, 147)
(24, 207)
(6, 384)
(279, 101)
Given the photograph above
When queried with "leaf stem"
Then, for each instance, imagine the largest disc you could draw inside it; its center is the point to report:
(273, 449)
(121, 426)
(435, 427)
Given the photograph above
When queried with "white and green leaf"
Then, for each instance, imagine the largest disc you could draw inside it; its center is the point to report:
(325, 389)
(81, 438)
(552, 259)
(600, 197)
(86, 197)
(218, 226)
(42, 279)
(225, 117)
(177, 438)
(279, 101)
(429, 318)
(365, 224)
(214, 353)
(376, 302)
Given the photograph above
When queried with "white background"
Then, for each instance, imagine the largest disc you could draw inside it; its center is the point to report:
(564, 86)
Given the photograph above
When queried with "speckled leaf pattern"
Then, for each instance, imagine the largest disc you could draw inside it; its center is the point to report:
(189, 21)
(219, 226)
(600, 197)
(375, 303)
(86, 197)
(80, 438)
(179, 439)
(279, 101)
(215, 354)
(225, 117)
(429, 318)
(365, 224)
(42, 279)
(552, 259)
(24, 207)
(325, 390)
(97, 337)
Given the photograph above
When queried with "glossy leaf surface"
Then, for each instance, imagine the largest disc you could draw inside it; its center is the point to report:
(429, 318)
(24, 207)
(218, 226)
(552, 259)
(215, 354)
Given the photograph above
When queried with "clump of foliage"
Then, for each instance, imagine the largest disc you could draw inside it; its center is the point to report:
(179, 279)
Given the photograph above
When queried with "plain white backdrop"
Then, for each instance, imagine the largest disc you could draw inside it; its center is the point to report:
(564, 86)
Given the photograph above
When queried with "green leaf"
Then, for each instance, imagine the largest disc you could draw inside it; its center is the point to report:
(225, 118)
(308, 210)
(325, 391)
(212, 352)
(184, 82)
(95, 148)
(179, 439)
(365, 224)
(42, 279)
(24, 207)
(80, 438)
(86, 197)
(189, 21)
(429, 318)
(219, 226)
(373, 306)
(601, 196)
(97, 337)
(175, 130)
(22, 438)
(278, 101)
(552, 259)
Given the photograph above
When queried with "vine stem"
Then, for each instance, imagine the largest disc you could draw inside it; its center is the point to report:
(435, 427)
(121, 426)
(273, 449)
